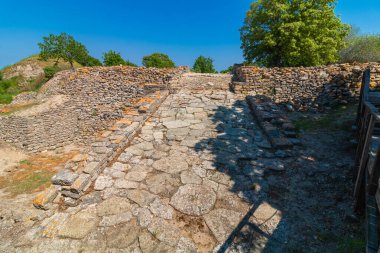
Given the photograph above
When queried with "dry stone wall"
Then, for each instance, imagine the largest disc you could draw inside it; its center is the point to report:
(50, 129)
(205, 81)
(304, 88)
(95, 97)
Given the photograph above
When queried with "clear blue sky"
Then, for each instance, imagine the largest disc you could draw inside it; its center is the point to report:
(182, 29)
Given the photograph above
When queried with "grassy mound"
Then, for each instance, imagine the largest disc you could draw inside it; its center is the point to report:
(39, 72)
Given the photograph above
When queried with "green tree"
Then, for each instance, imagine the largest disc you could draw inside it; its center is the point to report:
(361, 49)
(63, 47)
(228, 70)
(128, 63)
(112, 58)
(89, 61)
(203, 65)
(292, 33)
(158, 60)
(1, 75)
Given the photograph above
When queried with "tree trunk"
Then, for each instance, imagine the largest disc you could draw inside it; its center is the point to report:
(72, 66)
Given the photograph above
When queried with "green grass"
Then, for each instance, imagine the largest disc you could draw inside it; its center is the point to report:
(31, 182)
(338, 118)
(25, 162)
(8, 89)
(6, 98)
(352, 246)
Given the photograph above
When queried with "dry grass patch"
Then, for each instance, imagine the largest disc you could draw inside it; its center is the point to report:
(33, 174)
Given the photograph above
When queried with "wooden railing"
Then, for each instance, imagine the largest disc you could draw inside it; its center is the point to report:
(367, 160)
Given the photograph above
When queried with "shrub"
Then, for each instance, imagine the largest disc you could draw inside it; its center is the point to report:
(158, 60)
(50, 71)
(361, 49)
(203, 65)
(1, 75)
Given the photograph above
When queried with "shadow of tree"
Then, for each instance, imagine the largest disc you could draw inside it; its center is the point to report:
(236, 155)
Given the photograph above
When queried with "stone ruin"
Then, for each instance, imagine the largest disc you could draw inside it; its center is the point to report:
(104, 108)
(75, 105)
(161, 146)
(304, 88)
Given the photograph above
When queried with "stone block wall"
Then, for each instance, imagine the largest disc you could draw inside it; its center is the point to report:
(94, 99)
(47, 130)
(304, 88)
(202, 81)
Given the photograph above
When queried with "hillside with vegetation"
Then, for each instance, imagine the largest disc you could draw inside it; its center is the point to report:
(28, 74)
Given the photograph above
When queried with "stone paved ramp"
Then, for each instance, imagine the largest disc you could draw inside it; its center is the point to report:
(184, 185)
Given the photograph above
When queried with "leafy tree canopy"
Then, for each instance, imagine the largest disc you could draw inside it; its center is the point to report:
(90, 61)
(128, 63)
(292, 33)
(365, 48)
(228, 70)
(62, 47)
(158, 60)
(203, 65)
(113, 58)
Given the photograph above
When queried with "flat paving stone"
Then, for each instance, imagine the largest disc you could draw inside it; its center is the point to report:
(186, 245)
(123, 235)
(194, 199)
(115, 219)
(113, 205)
(79, 224)
(163, 184)
(148, 244)
(141, 197)
(125, 184)
(171, 164)
(176, 124)
(164, 231)
(222, 222)
(189, 177)
(138, 175)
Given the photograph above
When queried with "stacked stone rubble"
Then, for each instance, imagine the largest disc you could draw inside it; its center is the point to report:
(304, 88)
(95, 98)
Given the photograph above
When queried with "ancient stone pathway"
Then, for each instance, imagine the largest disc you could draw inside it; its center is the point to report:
(184, 185)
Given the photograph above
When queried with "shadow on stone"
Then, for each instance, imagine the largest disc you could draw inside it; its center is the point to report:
(239, 167)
